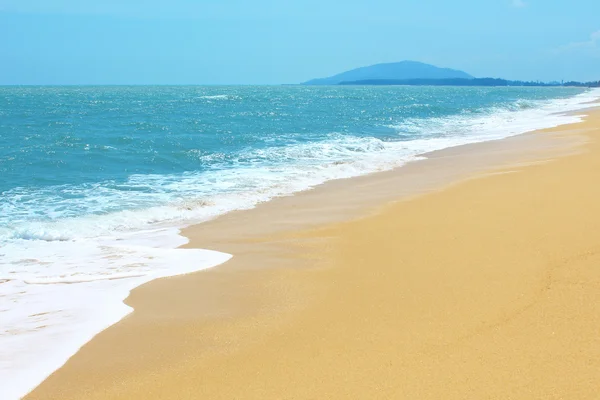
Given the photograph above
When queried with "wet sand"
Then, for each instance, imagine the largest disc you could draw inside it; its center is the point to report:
(472, 274)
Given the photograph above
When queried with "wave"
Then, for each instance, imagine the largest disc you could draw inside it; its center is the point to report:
(220, 97)
(242, 179)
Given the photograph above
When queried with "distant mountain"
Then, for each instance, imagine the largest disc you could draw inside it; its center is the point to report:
(403, 70)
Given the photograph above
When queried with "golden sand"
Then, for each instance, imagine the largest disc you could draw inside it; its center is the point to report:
(488, 289)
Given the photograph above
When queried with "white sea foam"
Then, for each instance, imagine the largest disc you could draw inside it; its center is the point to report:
(97, 259)
(56, 295)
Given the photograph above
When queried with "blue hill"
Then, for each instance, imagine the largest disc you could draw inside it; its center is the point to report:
(403, 70)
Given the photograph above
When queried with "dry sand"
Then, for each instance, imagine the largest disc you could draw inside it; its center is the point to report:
(382, 287)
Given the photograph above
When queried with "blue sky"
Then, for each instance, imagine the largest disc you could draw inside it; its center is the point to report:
(289, 41)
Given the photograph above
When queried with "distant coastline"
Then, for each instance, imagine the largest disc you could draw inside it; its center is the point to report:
(466, 82)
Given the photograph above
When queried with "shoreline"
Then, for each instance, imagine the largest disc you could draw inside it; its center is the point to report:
(268, 249)
(347, 211)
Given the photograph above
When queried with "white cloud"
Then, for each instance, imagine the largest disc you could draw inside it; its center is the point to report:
(592, 44)
(519, 3)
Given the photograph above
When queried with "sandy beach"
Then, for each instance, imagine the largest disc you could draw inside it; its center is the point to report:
(473, 274)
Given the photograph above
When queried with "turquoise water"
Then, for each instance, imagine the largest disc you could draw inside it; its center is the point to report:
(97, 150)
(97, 181)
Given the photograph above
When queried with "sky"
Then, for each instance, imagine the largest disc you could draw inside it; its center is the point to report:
(55, 42)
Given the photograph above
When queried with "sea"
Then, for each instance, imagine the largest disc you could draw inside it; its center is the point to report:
(97, 182)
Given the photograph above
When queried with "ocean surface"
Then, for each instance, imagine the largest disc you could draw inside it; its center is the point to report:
(96, 182)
